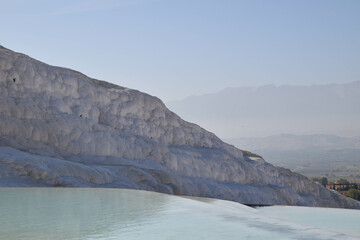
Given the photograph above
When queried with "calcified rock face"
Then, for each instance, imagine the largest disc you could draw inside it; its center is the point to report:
(59, 127)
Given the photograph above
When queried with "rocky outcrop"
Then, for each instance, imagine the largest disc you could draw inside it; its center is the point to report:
(59, 127)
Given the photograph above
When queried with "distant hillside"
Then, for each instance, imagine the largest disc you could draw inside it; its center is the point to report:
(312, 155)
(292, 142)
(271, 110)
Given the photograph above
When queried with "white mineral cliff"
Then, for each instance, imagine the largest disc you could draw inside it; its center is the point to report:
(59, 127)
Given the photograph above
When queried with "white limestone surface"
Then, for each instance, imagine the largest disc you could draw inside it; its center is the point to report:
(59, 127)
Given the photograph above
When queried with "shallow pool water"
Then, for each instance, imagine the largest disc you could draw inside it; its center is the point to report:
(70, 213)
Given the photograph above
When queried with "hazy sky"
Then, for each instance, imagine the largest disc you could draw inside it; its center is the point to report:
(176, 48)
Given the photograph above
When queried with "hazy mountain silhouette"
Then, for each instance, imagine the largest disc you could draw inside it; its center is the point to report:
(269, 110)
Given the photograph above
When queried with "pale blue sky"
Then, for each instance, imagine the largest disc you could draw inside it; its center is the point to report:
(176, 48)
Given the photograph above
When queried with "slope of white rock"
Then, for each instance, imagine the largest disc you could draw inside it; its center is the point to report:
(60, 128)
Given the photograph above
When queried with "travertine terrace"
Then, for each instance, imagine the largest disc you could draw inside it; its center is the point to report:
(59, 127)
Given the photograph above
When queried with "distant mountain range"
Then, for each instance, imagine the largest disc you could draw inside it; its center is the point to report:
(270, 110)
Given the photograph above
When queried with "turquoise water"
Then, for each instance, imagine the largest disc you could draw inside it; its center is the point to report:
(59, 213)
